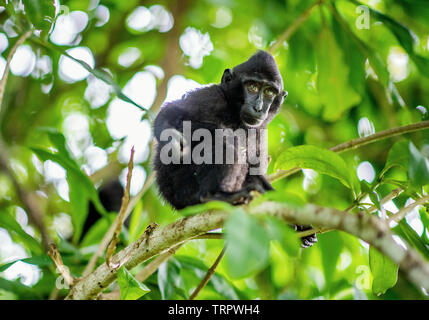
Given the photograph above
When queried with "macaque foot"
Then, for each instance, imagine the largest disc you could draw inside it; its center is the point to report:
(309, 240)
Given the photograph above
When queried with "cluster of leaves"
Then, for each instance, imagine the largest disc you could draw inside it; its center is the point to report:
(336, 75)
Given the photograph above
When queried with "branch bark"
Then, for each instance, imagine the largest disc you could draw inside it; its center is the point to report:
(405, 210)
(366, 227)
(64, 270)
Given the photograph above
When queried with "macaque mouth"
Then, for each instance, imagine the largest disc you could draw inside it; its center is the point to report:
(250, 119)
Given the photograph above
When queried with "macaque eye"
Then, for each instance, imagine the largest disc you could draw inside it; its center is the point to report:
(252, 87)
(270, 93)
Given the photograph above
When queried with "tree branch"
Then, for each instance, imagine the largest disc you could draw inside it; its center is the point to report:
(357, 143)
(121, 215)
(392, 195)
(398, 216)
(64, 270)
(366, 227)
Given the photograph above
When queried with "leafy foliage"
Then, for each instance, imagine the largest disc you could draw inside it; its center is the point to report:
(77, 98)
(130, 288)
(385, 272)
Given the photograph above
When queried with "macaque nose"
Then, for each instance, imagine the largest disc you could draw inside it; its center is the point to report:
(258, 105)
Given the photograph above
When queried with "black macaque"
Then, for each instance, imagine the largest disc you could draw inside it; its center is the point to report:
(246, 100)
(110, 195)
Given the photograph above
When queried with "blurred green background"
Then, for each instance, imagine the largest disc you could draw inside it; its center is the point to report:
(351, 69)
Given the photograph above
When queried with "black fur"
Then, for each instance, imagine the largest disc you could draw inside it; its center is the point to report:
(219, 106)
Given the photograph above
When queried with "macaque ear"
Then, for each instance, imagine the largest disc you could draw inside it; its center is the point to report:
(227, 75)
(284, 93)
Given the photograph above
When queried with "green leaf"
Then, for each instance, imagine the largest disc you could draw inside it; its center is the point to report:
(24, 292)
(321, 160)
(79, 204)
(384, 271)
(138, 222)
(81, 189)
(278, 230)
(418, 167)
(41, 13)
(365, 186)
(408, 233)
(9, 223)
(247, 245)
(353, 56)
(97, 231)
(170, 281)
(374, 59)
(289, 198)
(59, 142)
(375, 199)
(405, 38)
(334, 89)
(330, 245)
(424, 216)
(217, 282)
(98, 73)
(378, 65)
(41, 261)
(398, 156)
(130, 288)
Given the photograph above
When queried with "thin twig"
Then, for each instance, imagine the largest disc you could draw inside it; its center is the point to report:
(106, 239)
(293, 27)
(398, 216)
(12, 51)
(64, 271)
(392, 195)
(54, 294)
(121, 216)
(359, 142)
(154, 264)
(208, 275)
